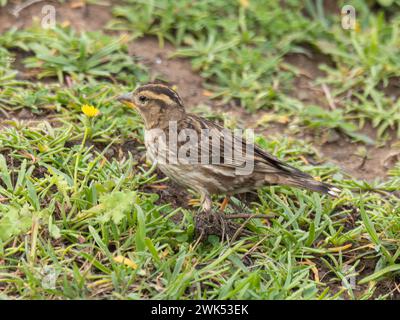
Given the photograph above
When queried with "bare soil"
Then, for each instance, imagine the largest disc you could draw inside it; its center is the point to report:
(341, 151)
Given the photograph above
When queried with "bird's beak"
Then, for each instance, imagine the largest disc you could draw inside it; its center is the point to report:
(127, 98)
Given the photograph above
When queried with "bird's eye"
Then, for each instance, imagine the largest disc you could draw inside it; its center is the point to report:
(142, 99)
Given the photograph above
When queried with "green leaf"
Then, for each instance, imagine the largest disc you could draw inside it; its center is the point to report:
(115, 206)
(53, 229)
(14, 222)
(99, 242)
(152, 249)
(385, 3)
(4, 173)
(141, 229)
(372, 233)
(311, 235)
(380, 273)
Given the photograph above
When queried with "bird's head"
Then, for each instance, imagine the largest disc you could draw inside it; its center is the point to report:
(157, 104)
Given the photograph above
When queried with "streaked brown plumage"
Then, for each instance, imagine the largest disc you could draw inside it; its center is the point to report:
(159, 104)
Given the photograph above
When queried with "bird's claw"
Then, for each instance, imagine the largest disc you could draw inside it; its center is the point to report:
(216, 223)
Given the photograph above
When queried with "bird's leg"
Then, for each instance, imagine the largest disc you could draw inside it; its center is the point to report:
(202, 223)
(207, 221)
(206, 203)
(224, 203)
(235, 206)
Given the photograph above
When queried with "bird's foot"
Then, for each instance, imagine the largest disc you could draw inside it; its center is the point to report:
(216, 223)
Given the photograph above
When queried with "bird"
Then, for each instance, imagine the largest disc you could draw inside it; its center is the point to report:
(161, 108)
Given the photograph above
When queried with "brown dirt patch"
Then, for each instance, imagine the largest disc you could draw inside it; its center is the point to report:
(342, 151)
(344, 154)
(308, 66)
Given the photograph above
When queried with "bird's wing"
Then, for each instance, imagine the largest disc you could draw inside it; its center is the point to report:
(263, 161)
(275, 170)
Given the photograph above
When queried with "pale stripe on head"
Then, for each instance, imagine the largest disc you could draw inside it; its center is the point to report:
(160, 92)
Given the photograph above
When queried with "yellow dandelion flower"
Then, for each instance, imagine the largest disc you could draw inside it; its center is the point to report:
(244, 3)
(90, 111)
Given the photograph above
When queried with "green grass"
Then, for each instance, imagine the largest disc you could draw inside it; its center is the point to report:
(76, 194)
(60, 52)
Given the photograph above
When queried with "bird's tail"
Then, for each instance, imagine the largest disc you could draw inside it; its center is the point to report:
(314, 185)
